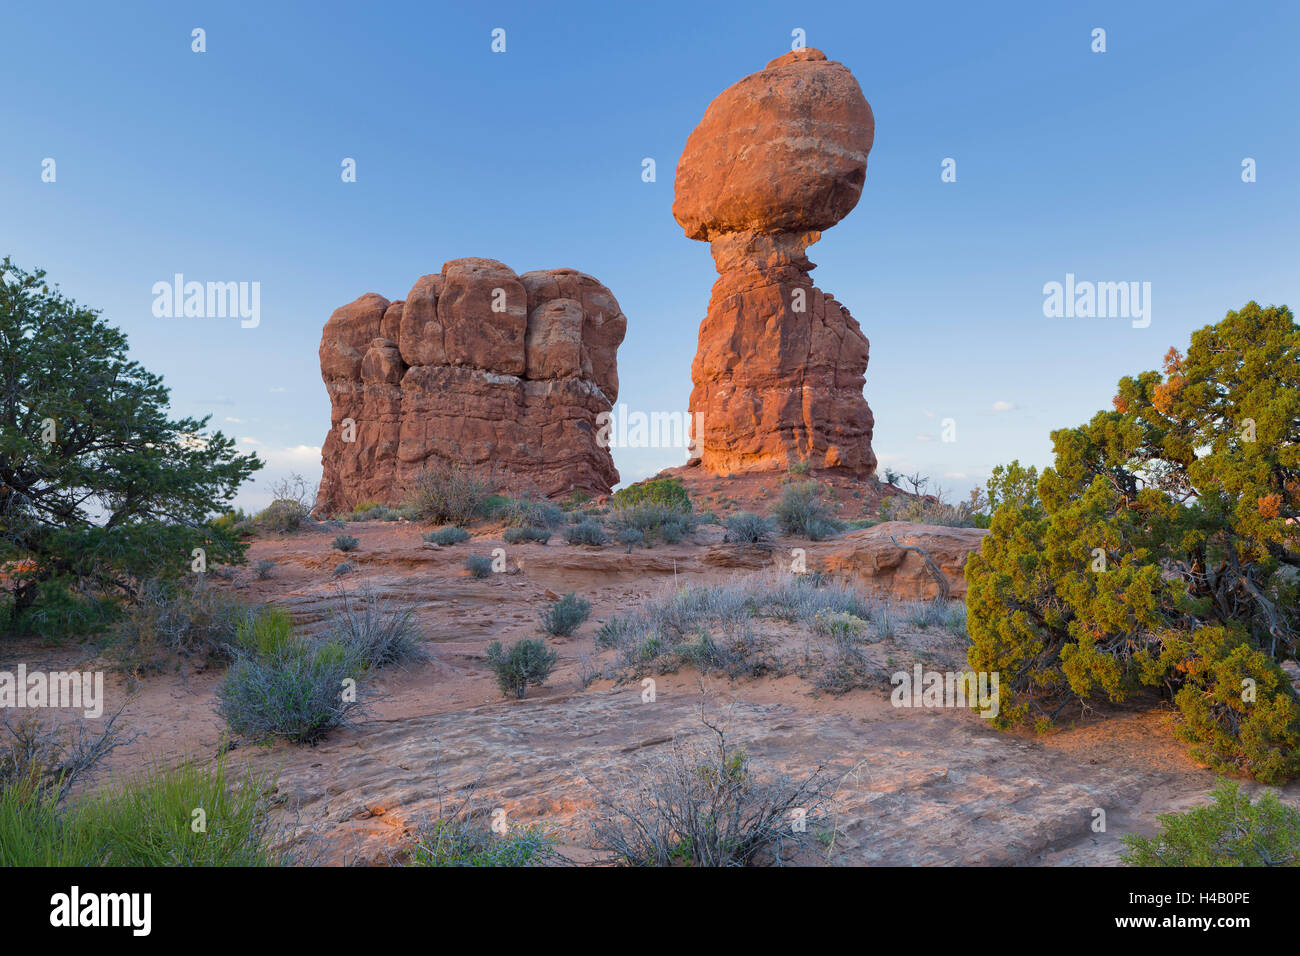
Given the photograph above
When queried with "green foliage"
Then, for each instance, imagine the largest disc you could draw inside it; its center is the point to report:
(526, 533)
(268, 634)
(479, 566)
(1231, 831)
(346, 543)
(1158, 552)
(802, 512)
(447, 535)
(563, 616)
(746, 528)
(120, 492)
(448, 494)
(524, 662)
(667, 492)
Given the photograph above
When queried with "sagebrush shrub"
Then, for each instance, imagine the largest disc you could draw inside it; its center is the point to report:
(478, 565)
(447, 536)
(564, 616)
(527, 533)
(177, 624)
(746, 528)
(586, 532)
(802, 512)
(346, 543)
(299, 697)
(448, 494)
(524, 662)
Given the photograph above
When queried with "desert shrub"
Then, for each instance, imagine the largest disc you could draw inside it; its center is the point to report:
(146, 820)
(176, 624)
(375, 635)
(802, 512)
(41, 758)
(712, 627)
(346, 543)
(653, 520)
(1231, 831)
(344, 567)
(839, 624)
(746, 528)
(630, 537)
(447, 535)
(564, 616)
(469, 840)
(375, 511)
(527, 533)
(448, 494)
(297, 697)
(479, 566)
(264, 569)
(703, 805)
(1159, 552)
(524, 662)
(531, 513)
(587, 532)
(936, 509)
(282, 516)
(668, 493)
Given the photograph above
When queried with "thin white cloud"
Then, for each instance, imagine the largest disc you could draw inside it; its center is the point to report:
(1004, 406)
(924, 437)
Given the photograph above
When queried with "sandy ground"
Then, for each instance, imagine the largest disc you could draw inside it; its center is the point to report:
(914, 786)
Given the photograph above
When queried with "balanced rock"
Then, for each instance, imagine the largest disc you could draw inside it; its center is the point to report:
(778, 375)
(503, 374)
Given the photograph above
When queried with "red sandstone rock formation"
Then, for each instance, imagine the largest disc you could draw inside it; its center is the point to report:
(502, 373)
(778, 157)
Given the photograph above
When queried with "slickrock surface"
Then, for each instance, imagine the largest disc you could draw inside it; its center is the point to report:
(778, 376)
(503, 373)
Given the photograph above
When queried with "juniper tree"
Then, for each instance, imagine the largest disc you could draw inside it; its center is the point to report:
(1161, 550)
(98, 485)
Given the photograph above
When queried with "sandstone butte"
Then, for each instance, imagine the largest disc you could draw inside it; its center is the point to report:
(778, 375)
(504, 374)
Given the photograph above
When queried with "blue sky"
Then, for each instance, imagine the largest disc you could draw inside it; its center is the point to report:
(224, 166)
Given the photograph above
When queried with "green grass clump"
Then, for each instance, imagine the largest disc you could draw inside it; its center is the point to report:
(190, 815)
